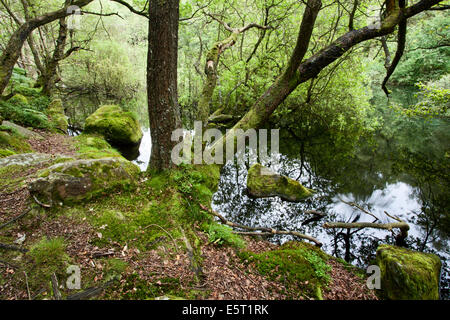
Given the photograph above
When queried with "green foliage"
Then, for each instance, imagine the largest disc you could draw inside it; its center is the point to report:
(105, 72)
(433, 99)
(12, 142)
(49, 256)
(426, 58)
(220, 234)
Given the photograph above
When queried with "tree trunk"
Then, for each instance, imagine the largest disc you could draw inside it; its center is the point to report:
(163, 107)
(50, 76)
(13, 49)
(299, 72)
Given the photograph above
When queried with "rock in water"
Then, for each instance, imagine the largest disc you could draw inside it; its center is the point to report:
(262, 182)
(82, 179)
(408, 274)
(117, 126)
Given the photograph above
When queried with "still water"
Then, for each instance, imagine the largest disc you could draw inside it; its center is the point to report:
(402, 170)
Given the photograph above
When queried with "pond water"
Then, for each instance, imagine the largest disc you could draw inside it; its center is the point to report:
(403, 170)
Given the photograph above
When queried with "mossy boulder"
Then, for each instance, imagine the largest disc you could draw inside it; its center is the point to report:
(11, 140)
(82, 179)
(117, 126)
(408, 274)
(24, 132)
(55, 111)
(300, 266)
(262, 183)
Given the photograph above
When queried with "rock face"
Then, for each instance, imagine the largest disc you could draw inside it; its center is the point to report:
(81, 179)
(262, 182)
(117, 126)
(55, 111)
(407, 274)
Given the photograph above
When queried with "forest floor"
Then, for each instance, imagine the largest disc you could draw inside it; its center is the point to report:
(164, 267)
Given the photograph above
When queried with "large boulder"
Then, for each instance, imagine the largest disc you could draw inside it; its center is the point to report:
(55, 111)
(117, 126)
(408, 274)
(262, 182)
(81, 179)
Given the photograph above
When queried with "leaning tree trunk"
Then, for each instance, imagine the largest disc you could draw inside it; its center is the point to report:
(12, 51)
(50, 76)
(299, 71)
(163, 107)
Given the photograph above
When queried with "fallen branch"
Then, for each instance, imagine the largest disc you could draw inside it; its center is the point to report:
(14, 219)
(28, 287)
(403, 226)
(90, 292)
(12, 247)
(267, 231)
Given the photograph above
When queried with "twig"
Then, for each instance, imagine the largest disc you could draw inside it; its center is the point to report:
(393, 217)
(266, 230)
(90, 292)
(12, 247)
(173, 240)
(28, 287)
(56, 293)
(40, 203)
(6, 264)
(14, 219)
(352, 204)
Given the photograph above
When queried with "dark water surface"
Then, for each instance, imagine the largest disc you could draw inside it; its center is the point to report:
(402, 170)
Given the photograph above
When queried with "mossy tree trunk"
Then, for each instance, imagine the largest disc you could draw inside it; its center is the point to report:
(299, 71)
(209, 86)
(212, 61)
(12, 51)
(163, 106)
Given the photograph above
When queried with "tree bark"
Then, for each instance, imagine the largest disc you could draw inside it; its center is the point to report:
(13, 49)
(299, 72)
(163, 107)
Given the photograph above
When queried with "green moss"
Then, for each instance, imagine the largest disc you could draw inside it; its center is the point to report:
(220, 234)
(261, 182)
(48, 256)
(138, 289)
(6, 153)
(12, 141)
(91, 146)
(58, 119)
(19, 99)
(117, 126)
(301, 267)
(408, 274)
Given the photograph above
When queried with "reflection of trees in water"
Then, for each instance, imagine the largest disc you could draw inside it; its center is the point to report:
(359, 172)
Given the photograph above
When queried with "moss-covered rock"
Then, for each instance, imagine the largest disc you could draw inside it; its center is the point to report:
(24, 132)
(82, 179)
(117, 126)
(262, 182)
(408, 274)
(91, 146)
(11, 140)
(55, 111)
(300, 266)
